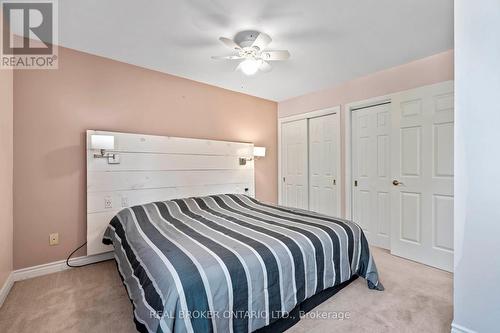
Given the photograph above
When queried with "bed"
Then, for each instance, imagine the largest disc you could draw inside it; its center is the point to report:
(230, 263)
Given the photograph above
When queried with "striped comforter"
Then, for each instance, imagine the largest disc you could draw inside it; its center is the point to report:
(229, 263)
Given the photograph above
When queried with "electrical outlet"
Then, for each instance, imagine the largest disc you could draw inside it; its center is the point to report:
(54, 239)
(124, 202)
(108, 202)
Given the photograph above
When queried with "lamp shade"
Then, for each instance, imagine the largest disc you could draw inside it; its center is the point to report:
(102, 142)
(259, 151)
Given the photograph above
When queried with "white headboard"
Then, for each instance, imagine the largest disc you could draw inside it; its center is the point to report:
(154, 168)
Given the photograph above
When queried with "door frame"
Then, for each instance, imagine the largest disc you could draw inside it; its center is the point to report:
(308, 115)
(348, 109)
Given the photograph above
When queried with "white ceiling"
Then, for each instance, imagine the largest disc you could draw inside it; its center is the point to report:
(331, 41)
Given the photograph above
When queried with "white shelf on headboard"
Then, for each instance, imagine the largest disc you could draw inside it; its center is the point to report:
(156, 168)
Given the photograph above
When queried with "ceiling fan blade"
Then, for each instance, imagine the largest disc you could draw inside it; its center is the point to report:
(229, 57)
(261, 41)
(275, 55)
(230, 43)
(265, 66)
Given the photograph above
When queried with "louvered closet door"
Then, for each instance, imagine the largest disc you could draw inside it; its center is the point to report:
(294, 164)
(324, 186)
(422, 165)
(371, 172)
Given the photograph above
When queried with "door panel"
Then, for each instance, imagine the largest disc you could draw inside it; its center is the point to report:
(410, 151)
(383, 156)
(443, 222)
(323, 159)
(383, 213)
(294, 168)
(422, 165)
(410, 217)
(371, 172)
(443, 150)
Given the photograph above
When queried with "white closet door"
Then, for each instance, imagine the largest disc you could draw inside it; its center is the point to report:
(371, 172)
(323, 160)
(294, 164)
(422, 165)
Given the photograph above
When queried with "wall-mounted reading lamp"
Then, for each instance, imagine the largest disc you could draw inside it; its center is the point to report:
(103, 143)
(258, 152)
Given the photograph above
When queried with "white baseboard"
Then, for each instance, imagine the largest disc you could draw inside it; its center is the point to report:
(7, 286)
(39, 270)
(455, 328)
(49, 268)
(58, 266)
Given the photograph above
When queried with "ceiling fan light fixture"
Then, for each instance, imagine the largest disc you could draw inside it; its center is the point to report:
(250, 47)
(249, 66)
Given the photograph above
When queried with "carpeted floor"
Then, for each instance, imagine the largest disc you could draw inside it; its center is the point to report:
(92, 299)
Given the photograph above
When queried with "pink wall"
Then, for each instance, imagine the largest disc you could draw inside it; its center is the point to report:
(433, 69)
(53, 108)
(436, 68)
(6, 160)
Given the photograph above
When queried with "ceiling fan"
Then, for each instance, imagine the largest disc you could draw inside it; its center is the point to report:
(250, 48)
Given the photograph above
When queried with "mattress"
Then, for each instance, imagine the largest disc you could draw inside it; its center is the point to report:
(230, 263)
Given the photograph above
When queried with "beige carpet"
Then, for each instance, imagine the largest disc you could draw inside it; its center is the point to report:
(92, 299)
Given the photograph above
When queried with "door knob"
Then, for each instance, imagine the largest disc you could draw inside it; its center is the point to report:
(396, 182)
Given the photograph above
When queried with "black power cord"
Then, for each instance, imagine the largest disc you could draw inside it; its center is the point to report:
(76, 266)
